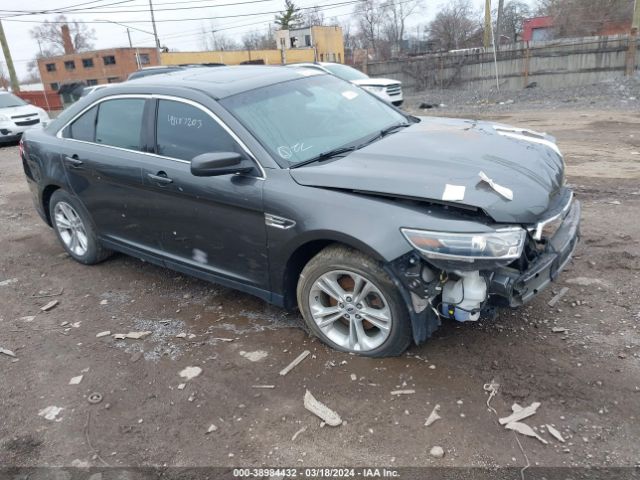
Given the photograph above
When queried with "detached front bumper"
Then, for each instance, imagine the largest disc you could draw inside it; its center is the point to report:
(518, 288)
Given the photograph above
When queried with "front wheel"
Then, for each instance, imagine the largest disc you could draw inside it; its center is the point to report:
(350, 303)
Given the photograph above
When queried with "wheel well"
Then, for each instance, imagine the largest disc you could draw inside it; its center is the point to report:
(46, 198)
(295, 264)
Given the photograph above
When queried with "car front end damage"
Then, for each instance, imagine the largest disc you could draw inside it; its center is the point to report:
(464, 276)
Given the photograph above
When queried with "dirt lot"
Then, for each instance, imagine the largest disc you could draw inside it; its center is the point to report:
(587, 378)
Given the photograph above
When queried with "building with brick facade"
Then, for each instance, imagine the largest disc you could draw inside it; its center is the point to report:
(111, 65)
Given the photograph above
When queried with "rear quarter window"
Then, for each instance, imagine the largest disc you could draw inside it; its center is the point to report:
(119, 123)
(84, 127)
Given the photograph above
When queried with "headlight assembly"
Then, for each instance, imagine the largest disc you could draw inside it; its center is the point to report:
(501, 244)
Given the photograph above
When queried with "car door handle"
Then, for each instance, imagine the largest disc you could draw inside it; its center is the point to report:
(73, 162)
(161, 178)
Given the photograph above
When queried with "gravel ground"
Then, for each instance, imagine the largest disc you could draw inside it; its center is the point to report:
(622, 94)
(585, 373)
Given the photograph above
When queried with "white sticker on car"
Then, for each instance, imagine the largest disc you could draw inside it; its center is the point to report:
(349, 94)
(453, 193)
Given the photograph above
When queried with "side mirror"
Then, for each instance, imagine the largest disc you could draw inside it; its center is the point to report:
(219, 163)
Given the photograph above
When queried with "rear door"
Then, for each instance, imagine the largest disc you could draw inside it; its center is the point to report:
(103, 153)
(211, 224)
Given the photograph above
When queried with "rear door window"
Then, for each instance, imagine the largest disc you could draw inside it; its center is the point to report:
(120, 123)
(184, 132)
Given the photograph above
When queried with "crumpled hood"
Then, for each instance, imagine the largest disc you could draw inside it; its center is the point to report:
(421, 160)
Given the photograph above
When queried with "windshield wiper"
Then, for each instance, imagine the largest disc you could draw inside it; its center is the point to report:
(386, 131)
(325, 156)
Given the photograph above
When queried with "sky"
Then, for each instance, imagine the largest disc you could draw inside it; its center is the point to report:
(179, 22)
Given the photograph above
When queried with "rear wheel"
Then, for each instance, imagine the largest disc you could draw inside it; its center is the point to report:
(350, 303)
(75, 229)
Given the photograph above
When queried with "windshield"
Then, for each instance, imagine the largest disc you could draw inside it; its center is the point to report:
(9, 100)
(301, 119)
(345, 72)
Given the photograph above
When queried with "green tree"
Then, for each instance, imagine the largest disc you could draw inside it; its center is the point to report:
(290, 17)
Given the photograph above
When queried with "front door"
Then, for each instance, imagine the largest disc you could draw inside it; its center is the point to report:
(212, 224)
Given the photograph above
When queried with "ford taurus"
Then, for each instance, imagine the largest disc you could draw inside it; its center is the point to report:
(304, 190)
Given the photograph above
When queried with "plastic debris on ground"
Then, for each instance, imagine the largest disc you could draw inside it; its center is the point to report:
(327, 415)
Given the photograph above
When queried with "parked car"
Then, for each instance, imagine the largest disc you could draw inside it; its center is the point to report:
(300, 188)
(18, 116)
(385, 88)
(93, 88)
(157, 70)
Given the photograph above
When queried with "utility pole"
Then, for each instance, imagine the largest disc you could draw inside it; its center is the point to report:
(15, 85)
(499, 24)
(633, 41)
(155, 31)
(487, 24)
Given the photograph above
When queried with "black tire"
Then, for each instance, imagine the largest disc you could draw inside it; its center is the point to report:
(95, 252)
(338, 257)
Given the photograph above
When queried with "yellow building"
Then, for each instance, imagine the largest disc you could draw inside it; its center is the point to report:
(327, 42)
(236, 57)
(309, 44)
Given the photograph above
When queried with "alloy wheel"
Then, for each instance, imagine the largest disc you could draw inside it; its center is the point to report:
(71, 228)
(350, 310)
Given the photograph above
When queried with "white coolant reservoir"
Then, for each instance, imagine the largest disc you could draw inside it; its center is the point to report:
(462, 299)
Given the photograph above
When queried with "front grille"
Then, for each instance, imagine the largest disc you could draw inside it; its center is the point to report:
(395, 89)
(28, 122)
(24, 116)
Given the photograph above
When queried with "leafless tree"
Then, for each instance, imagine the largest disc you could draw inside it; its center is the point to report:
(211, 39)
(49, 35)
(257, 40)
(313, 16)
(577, 18)
(397, 12)
(455, 26)
(513, 16)
(369, 15)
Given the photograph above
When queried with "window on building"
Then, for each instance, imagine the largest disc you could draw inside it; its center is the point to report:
(184, 132)
(84, 128)
(91, 82)
(144, 58)
(87, 62)
(109, 60)
(113, 79)
(54, 86)
(69, 65)
(307, 40)
(119, 123)
(51, 67)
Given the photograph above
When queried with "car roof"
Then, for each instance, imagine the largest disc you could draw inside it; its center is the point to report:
(219, 82)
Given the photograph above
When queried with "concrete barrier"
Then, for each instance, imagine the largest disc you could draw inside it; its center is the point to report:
(551, 64)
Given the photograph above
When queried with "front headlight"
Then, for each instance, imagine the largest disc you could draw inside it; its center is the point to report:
(4, 118)
(501, 244)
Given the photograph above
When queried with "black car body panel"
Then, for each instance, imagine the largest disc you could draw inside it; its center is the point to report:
(418, 161)
(254, 231)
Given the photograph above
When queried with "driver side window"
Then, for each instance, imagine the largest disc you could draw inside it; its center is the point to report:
(184, 132)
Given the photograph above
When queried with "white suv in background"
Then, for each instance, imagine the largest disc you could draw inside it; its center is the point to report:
(18, 116)
(385, 88)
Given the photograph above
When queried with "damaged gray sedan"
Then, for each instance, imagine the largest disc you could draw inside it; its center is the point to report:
(307, 191)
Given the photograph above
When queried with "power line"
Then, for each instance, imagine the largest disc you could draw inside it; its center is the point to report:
(144, 10)
(349, 2)
(68, 9)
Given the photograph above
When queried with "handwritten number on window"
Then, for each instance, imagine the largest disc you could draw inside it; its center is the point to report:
(187, 122)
